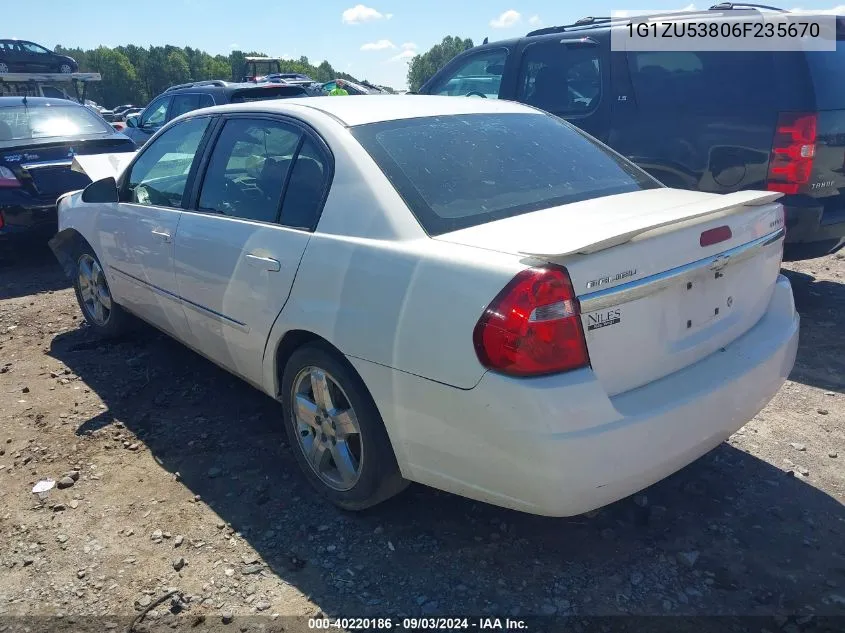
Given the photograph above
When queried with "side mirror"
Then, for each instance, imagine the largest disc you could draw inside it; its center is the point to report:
(101, 191)
(132, 121)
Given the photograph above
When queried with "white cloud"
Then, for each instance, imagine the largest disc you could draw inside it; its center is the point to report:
(380, 45)
(508, 19)
(235, 47)
(404, 55)
(840, 10)
(631, 14)
(535, 20)
(409, 46)
(360, 14)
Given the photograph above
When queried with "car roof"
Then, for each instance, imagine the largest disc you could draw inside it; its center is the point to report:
(360, 110)
(35, 102)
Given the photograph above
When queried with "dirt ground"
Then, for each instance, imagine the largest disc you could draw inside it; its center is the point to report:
(182, 480)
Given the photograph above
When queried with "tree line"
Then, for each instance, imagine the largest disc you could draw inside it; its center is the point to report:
(422, 67)
(134, 74)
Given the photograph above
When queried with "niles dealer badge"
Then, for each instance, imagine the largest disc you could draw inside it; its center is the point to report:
(602, 319)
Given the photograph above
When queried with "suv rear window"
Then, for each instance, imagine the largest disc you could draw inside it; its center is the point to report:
(267, 92)
(459, 171)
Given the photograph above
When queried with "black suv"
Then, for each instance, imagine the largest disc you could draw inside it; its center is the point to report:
(28, 57)
(711, 121)
(178, 100)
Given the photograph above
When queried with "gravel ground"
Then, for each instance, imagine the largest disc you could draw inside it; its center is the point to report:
(174, 475)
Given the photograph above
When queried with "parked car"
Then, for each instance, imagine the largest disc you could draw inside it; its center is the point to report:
(27, 57)
(130, 112)
(39, 138)
(351, 87)
(338, 254)
(715, 121)
(183, 98)
(314, 88)
(119, 111)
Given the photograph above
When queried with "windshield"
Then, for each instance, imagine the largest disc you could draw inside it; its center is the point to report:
(25, 122)
(459, 171)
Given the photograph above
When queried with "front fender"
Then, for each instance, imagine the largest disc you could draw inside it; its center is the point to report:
(65, 244)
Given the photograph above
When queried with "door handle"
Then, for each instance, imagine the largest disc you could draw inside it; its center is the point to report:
(265, 263)
(164, 235)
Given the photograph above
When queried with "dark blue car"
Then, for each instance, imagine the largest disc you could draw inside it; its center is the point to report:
(38, 139)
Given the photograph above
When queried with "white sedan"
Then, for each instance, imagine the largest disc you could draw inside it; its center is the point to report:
(466, 293)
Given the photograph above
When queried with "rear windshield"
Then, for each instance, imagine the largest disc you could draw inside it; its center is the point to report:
(23, 122)
(459, 171)
(827, 69)
(263, 93)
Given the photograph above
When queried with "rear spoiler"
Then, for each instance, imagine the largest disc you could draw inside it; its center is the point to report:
(588, 242)
(99, 166)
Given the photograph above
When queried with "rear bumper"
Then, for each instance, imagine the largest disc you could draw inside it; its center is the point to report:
(812, 232)
(557, 445)
(31, 221)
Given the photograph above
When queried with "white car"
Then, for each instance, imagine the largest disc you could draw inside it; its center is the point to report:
(466, 293)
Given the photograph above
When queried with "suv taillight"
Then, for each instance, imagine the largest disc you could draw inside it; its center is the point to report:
(7, 179)
(533, 326)
(793, 150)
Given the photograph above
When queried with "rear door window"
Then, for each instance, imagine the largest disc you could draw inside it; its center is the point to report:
(248, 169)
(306, 189)
(459, 171)
(708, 81)
(562, 80)
(478, 75)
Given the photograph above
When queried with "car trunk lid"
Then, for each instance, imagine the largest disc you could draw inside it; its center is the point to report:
(665, 277)
(44, 167)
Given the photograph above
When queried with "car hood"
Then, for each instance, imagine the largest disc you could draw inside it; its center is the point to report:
(99, 166)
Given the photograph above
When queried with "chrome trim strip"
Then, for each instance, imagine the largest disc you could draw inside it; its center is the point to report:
(640, 288)
(48, 163)
(243, 327)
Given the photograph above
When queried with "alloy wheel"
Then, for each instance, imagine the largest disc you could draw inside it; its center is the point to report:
(94, 290)
(65, 69)
(3, 68)
(327, 428)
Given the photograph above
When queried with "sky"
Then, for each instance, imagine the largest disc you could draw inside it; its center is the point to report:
(372, 41)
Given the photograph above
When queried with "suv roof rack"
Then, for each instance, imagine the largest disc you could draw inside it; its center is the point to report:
(727, 6)
(596, 22)
(193, 84)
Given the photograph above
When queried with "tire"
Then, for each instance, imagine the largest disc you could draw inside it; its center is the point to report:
(110, 320)
(367, 453)
(65, 69)
(4, 68)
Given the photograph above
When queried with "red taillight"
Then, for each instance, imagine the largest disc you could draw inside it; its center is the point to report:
(7, 178)
(533, 326)
(714, 236)
(793, 150)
